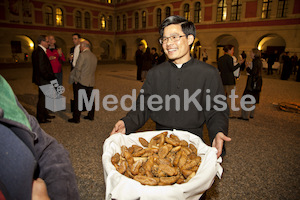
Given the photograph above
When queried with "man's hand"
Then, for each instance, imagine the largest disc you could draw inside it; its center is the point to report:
(218, 142)
(119, 128)
(52, 57)
(241, 61)
(39, 190)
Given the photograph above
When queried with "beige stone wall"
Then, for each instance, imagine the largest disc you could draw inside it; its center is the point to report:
(108, 44)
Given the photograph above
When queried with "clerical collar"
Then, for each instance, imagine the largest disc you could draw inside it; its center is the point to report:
(178, 65)
(182, 65)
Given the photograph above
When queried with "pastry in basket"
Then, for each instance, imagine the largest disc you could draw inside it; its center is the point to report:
(162, 161)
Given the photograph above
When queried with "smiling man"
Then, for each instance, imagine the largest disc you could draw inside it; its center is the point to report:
(173, 79)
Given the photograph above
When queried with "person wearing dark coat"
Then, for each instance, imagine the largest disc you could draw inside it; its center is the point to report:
(271, 60)
(147, 63)
(226, 68)
(298, 72)
(162, 58)
(139, 61)
(254, 74)
(294, 60)
(180, 75)
(42, 75)
(287, 67)
(244, 56)
(33, 164)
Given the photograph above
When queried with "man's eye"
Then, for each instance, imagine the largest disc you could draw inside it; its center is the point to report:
(174, 37)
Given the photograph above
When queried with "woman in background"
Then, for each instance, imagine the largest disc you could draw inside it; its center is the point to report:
(254, 83)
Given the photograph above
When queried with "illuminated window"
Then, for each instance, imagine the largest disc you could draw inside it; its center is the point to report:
(136, 20)
(266, 9)
(144, 19)
(236, 7)
(59, 17)
(109, 23)
(197, 12)
(124, 22)
(87, 20)
(49, 15)
(78, 19)
(102, 23)
(186, 11)
(168, 12)
(221, 11)
(158, 17)
(282, 8)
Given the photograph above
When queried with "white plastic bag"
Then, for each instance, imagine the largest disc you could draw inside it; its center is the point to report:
(120, 187)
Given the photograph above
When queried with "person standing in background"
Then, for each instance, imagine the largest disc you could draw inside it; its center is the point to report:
(83, 77)
(255, 75)
(154, 56)
(294, 60)
(271, 60)
(139, 61)
(244, 56)
(281, 63)
(147, 63)
(226, 68)
(287, 67)
(56, 58)
(74, 51)
(204, 56)
(42, 75)
(74, 54)
(162, 57)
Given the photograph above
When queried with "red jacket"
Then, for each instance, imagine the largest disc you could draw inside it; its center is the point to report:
(56, 63)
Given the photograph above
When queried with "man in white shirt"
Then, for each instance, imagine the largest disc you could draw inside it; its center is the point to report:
(74, 51)
(74, 54)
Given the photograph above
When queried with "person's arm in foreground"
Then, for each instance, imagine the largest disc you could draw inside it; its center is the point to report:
(217, 120)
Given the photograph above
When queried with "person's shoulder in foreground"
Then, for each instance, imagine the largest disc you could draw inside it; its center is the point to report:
(28, 143)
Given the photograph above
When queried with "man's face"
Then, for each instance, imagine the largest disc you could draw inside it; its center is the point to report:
(231, 51)
(45, 43)
(52, 40)
(75, 40)
(178, 51)
(81, 47)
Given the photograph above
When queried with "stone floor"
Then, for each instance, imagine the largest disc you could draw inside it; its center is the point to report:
(262, 159)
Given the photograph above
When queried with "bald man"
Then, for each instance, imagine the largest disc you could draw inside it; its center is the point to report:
(83, 75)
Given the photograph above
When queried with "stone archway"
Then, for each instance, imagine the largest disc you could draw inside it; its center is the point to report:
(142, 41)
(105, 49)
(22, 47)
(226, 39)
(196, 49)
(270, 43)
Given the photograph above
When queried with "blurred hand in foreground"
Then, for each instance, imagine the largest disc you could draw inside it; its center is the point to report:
(119, 128)
(219, 141)
(39, 190)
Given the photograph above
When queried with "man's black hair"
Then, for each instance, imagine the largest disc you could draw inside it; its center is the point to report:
(188, 27)
(153, 48)
(41, 38)
(228, 47)
(77, 35)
